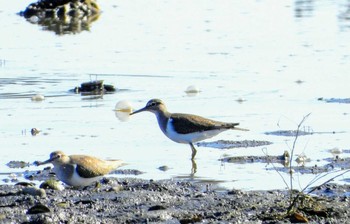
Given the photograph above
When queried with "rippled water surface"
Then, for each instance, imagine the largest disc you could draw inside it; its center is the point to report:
(264, 64)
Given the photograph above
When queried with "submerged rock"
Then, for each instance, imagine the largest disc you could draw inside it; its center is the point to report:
(295, 133)
(17, 164)
(291, 133)
(94, 88)
(335, 100)
(283, 159)
(62, 16)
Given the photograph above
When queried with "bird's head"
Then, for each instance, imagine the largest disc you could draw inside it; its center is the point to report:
(56, 157)
(154, 106)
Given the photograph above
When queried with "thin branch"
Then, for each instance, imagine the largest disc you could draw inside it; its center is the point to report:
(292, 153)
(274, 167)
(326, 182)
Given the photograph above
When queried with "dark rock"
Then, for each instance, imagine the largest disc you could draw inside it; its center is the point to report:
(34, 131)
(25, 184)
(156, 207)
(94, 87)
(109, 88)
(163, 168)
(38, 208)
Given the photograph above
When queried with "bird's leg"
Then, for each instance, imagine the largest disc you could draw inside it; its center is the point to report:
(194, 168)
(194, 151)
(194, 165)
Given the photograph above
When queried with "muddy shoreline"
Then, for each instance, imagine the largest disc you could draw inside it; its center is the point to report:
(136, 200)
(133, 200)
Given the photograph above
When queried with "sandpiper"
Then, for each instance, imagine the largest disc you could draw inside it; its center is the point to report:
(186, 128)
(80, 170)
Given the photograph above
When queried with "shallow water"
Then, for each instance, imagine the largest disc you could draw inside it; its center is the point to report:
(261, 63)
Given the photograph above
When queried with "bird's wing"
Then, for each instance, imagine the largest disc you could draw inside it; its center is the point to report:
(88, 167)
(87, 173)
(184, 123)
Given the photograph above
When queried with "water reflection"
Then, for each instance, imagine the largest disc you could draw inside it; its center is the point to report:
(304, 8)
(62, 16)
(344, 17)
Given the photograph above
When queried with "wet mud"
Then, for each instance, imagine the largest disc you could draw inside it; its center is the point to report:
(301, 163)
(283, 159)
(134, 200)
(130, 200)
(226, 144)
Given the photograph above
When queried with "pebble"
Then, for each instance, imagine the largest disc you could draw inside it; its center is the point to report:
(38, 97)
(52, 184)
(163, 168)
(33, 191)
(192, 90)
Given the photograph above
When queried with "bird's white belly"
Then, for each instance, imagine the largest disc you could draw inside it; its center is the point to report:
(75, 180)
(191, 137)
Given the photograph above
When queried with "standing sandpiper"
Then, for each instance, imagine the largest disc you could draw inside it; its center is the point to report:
(80, 170)
(186, 128)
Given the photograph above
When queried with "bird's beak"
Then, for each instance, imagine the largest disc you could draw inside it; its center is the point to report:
(39, 163)
(138, 111)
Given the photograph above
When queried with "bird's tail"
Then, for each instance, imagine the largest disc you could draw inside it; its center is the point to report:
(117, 163)
(234, 127)
(240, 129)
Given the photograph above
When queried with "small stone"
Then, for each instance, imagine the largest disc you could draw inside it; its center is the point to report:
(25, 184)
(38, 97)
(118, 188)
(163, 168)
(37, 209)
(33, 191)
(34, 131)
(52, 184)
(156, 207)
(192, 90)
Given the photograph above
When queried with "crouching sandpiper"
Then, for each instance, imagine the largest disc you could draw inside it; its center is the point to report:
(80, 170)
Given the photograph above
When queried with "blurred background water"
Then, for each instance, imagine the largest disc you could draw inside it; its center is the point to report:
(261, 63)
